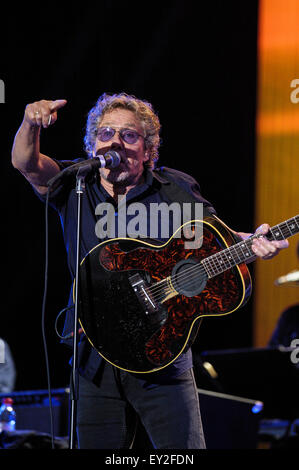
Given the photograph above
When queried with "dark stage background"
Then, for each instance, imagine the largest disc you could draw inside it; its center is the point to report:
(196, 63)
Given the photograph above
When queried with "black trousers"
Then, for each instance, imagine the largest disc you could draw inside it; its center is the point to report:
(108, 410)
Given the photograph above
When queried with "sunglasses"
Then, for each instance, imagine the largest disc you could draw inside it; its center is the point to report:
(127, 135)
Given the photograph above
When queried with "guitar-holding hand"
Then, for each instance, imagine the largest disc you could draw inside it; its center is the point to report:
(261, 246)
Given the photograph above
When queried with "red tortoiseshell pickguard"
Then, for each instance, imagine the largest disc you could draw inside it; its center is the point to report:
(221, 295)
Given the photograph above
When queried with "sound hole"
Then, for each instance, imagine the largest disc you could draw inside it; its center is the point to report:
(188, 278)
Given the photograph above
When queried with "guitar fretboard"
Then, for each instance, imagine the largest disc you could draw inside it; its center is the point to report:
(242, 251)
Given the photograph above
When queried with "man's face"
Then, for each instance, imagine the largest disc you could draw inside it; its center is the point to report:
(132, 155)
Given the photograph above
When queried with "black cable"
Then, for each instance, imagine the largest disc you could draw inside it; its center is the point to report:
(70, 335)
(43, 317)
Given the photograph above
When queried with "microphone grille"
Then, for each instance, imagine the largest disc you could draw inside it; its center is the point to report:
(115, 158)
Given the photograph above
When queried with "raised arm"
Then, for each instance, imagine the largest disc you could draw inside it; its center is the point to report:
(26, 156)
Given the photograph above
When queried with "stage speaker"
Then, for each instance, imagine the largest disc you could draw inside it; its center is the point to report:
(33, 411)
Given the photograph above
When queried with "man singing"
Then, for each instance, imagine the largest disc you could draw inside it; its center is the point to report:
(111, 399)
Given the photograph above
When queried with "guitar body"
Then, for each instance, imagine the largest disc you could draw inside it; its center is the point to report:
(133, 307)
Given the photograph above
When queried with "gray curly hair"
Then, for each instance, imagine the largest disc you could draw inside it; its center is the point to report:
(142, 110)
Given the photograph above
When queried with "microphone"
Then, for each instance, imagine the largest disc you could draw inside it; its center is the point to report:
(288, 279)
(111, 159)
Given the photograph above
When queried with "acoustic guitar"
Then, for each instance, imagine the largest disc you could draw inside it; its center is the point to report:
(140, 300)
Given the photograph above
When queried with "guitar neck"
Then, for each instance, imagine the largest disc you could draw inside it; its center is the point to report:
(242, 252)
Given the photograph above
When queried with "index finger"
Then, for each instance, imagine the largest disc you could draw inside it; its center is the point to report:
(57, 104)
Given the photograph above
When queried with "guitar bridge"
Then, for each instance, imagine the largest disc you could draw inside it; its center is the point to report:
(156, 315)
(139, 287)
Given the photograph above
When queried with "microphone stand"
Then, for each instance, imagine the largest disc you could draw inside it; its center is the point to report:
(112, 159)
(74, 385)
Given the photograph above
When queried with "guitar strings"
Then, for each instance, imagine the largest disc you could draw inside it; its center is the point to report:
(159, 287)
(191, 271)
(188, 274)
(162, 288)
(213, 258)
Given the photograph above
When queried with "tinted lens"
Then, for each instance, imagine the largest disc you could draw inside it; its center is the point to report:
(105, 133)
(129, 136)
